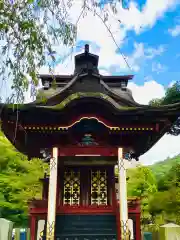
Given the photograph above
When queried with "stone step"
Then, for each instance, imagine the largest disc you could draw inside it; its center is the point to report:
(85, 227)
(85, 237)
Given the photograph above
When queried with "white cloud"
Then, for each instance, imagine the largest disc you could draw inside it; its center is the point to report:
(139, 55)
(171, 83)
(153, 52)
(109, 58)
(112, 61)
(91, 28)
(167, 146)
(104, 72)
(151, 12)
(175, 31)
(144, 93)
(158, 67)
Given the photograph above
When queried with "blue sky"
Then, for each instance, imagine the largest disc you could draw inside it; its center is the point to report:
(152, 31)
(154, 37)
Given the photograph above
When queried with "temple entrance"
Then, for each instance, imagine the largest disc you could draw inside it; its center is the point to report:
(86, 186)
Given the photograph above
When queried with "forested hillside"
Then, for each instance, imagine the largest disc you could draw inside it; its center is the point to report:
(19, 182)
(158, 186)
(161, 168)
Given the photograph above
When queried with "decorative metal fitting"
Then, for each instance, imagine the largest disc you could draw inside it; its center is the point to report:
(131, 155)
(46, 155)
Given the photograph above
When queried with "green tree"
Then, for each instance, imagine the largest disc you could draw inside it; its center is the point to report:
(142, 183)
(172, 95)
(155, 102)
(166, 201)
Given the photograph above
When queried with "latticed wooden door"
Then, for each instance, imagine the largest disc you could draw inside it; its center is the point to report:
(71, 187)
(99, 187)
(93, 182)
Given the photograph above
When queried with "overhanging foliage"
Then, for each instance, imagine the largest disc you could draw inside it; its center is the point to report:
(32, 30)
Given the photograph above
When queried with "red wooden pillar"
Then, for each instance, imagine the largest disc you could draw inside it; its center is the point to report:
(138, 226)
(33, 227)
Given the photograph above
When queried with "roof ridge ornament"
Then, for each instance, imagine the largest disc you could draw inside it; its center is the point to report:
(86, 48)
(86, 62)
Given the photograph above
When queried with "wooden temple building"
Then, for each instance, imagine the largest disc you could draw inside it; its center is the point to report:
(84, 125)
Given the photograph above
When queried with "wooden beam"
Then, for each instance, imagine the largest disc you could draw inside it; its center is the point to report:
(88, 151)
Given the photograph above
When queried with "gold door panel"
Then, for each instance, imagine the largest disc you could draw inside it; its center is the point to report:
(71, 187)
(99, 187)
